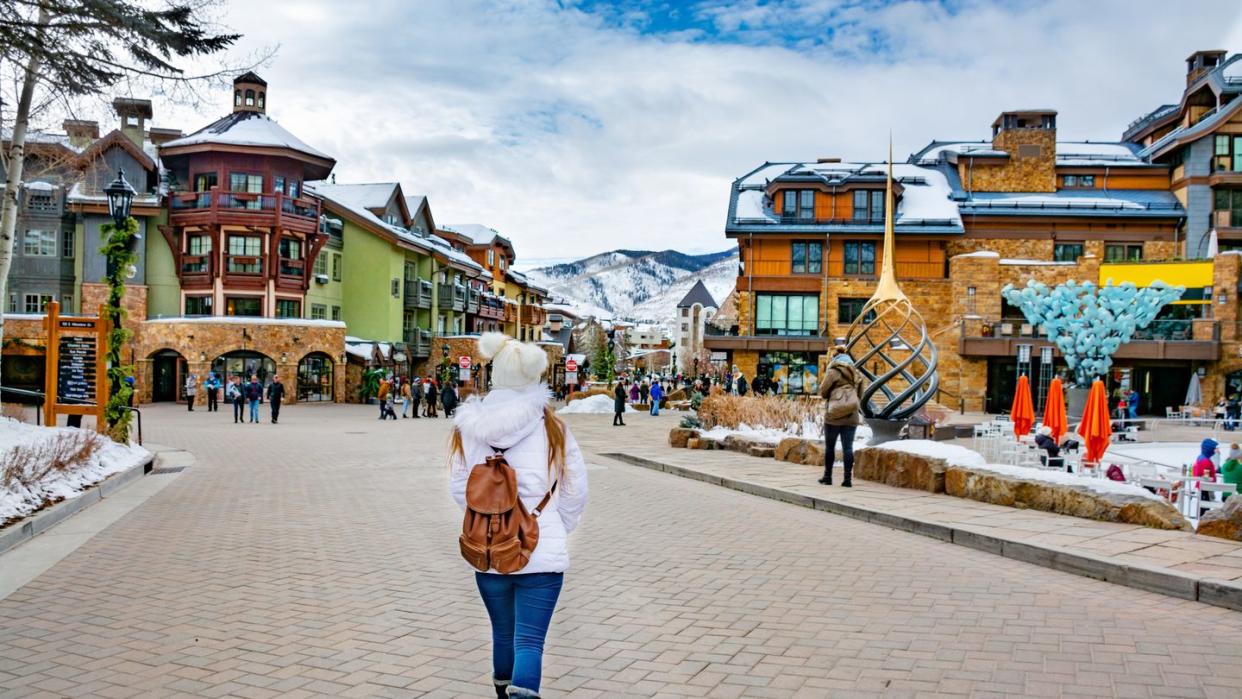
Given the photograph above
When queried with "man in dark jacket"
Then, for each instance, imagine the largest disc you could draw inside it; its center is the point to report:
(741, 384)
(618, 404)
(431, 398)
(416, 395)
(1044, 440)
(448, 398)
(275, 394)
(254, 394)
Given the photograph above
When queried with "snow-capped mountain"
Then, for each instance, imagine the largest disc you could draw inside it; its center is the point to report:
(636, 285)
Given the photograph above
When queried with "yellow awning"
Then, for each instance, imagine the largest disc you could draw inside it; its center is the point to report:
(1195, 276)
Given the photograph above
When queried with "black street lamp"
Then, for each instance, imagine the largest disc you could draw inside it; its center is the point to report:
(120, 198)
(120, 251)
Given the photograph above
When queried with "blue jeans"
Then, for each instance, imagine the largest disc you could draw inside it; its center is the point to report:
(520, 607)
(655, 406)
(254, 410)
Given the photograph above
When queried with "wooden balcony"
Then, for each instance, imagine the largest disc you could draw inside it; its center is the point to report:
(511, 313)
(198, 272)
(533, 315)
(273, 210)
(491, 307)
(417, 293)
(452, 297)
(472, 301)
(244, 272)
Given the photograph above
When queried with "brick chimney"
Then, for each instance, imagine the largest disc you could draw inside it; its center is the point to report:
(250, 93)
(1201, 63)
(1029, 137)
(81, 133)
(134, 114)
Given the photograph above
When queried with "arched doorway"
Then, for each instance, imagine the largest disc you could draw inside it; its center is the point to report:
(244, 363)
(315, 378)
(168, 368)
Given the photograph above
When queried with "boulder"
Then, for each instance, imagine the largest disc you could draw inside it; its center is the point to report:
(1075, 501)
(900, 469)
(1224, 522)
(766, 451)
(797, 450)
(739, 444)
(693, 443)
(678, 436)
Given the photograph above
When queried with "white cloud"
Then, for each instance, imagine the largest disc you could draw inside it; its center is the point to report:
(573, 135)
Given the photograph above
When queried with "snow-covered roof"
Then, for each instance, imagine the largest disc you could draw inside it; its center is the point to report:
(1181, 134)
(39, 186)
(329, 192)
(442, 247)
(1069, 153)
(247, 320)
(476, 232)
(1139, 202)
(246, 129)
(366, 195)
(78, 195)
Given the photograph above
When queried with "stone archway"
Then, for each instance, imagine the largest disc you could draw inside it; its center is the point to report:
(316, 379)
(161, 377)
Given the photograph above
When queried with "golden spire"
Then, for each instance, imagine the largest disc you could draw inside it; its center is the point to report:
(888, 289)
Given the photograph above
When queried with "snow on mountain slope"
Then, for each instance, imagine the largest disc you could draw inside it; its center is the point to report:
(637, 285)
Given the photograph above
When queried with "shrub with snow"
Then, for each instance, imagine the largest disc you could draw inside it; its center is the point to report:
(40, 466)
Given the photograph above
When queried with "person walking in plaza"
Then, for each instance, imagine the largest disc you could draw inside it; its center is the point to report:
(618, 404)
(235, 395)
(384, 388)
(416, 395)
(405, 399)
(1205, 466)
(1133, 400)
(212, 387)
(275, 394)
(191, 389)
(644, 391)
(515, 420)
(742, 386)
(657, 393)
(254, 394)
(842, 391)
(432, 394)
(448, 398)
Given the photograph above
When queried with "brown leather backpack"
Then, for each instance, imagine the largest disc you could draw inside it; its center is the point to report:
(497, 531)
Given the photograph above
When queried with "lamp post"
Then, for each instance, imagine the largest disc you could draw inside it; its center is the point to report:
(120, 251)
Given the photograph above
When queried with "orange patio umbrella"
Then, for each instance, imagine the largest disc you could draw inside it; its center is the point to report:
(1054, 410)
(1096, 427)
(1023, 411)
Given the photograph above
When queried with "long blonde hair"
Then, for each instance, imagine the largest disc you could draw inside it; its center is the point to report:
(553, 427)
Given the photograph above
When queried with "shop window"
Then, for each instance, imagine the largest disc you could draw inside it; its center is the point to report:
(198, 306)
(859, 258)
(1123, 253)
(786, 314)
(1066, 252)
(807, 257)
(288, 308)
(243, 306)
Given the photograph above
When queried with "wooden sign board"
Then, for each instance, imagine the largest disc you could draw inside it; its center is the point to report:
(76, 376)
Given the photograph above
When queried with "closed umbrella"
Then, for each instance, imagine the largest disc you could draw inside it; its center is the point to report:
(1096, 427)
(1194, 392)
(1023, 410)
(1054, 410)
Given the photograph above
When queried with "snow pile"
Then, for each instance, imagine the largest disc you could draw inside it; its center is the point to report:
(966, 458)
(592, 405)
(17, 500)
(772, 435)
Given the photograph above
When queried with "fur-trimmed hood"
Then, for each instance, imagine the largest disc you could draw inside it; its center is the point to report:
(503, 417)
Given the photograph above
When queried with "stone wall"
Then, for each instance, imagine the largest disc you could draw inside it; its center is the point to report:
(134, 301)
(1019, 172)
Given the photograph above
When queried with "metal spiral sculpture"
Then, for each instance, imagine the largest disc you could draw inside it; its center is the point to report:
(892, 349)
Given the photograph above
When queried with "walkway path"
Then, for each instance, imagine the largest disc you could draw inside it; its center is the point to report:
(317, 558)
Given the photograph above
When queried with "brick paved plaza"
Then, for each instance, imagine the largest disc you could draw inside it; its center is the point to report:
(316, 558)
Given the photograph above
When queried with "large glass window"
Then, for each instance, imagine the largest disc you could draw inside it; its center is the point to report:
(198, 305)
(1118, 252)
(249, 249)
(786, 314)
(1066, 252)
(807, 257)
(204, 181)
(243, 306)
(37, 243)
(798, 203)
(288, 308)
(250, 184)
(1227, 154)
(859, 257)
(849, 309)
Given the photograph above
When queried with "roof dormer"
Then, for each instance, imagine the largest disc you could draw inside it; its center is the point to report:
(1201, 63)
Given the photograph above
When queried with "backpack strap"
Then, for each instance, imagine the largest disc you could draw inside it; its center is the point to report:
(544, 502)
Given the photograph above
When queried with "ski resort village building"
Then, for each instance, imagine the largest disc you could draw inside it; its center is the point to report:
(253, 260)
(973, 216)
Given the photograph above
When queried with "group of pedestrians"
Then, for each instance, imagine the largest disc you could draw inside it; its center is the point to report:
(240, 394)
(424, 395)
(638, 390)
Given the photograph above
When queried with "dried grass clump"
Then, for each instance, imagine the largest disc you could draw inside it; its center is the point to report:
(576, 395)
(774, 412)
(27, 464)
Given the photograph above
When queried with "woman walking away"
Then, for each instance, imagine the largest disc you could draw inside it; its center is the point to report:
(515, 421)
(618, 404)
(432, 395)
(448, 398)
(191, 389)
(416, 395)
(405, 400)
(841, 389)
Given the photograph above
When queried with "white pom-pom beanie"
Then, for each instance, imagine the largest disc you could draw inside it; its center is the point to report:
(514, 364)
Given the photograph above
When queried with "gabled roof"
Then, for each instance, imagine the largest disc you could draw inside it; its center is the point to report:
(416, 203)
(250, 77)
(372, 196)
(1182, 135)
(117, 139)
(479, 234)
(337, 198)
(698, 294)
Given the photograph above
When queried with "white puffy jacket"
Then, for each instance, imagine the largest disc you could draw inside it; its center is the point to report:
(512, 419)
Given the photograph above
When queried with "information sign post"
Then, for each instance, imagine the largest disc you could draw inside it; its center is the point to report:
(76, 376)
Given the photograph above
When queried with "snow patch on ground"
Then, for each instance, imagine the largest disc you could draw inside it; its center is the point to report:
(18, 501)
(772, 435)
(967, 458)
(592, 405)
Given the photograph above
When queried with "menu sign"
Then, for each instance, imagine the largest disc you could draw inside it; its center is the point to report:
(75, 377)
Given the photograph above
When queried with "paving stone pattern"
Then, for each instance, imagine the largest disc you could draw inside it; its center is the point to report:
(316, 558)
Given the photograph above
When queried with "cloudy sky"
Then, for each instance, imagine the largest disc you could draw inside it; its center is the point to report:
(577, 127)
